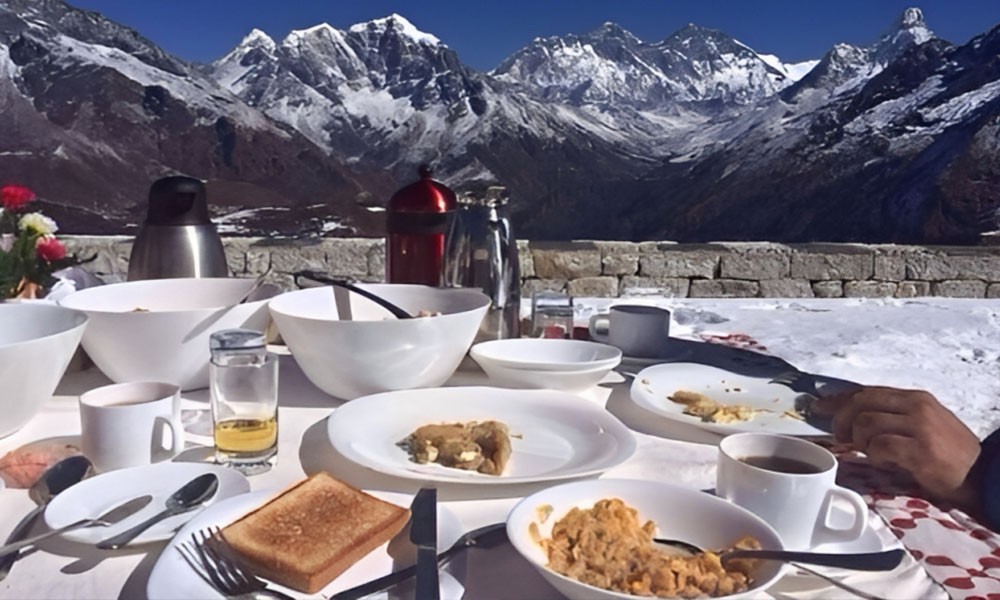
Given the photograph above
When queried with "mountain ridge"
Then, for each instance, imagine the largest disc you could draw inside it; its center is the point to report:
(598, 135)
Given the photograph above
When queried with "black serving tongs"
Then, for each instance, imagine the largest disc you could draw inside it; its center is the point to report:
(324, 279)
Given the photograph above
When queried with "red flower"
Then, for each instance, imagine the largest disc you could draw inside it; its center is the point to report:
(14, 197)
(50, 249)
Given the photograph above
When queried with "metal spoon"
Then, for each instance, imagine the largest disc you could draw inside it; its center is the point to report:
(885, 560)
(193, 494)
(869, 561)
(396, 311)
(56, 479)
(115, 515)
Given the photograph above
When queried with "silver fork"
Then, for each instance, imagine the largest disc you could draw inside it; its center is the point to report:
(798, 381)
(212, 558)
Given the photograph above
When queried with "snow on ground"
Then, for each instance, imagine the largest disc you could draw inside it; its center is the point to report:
(950, 347)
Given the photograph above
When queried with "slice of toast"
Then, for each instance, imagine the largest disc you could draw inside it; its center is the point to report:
(314, 531)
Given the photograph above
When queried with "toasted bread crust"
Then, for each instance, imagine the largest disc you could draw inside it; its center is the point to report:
(313, 532)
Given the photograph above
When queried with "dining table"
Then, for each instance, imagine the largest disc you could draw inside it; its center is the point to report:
(950, 347)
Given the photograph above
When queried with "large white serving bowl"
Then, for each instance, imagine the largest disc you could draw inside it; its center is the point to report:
(374, 351)
(37, 342)
(546, 354)
(158, 329)
(679, 513)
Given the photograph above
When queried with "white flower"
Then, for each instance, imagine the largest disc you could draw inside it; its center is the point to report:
(38, 223)
(6, 242)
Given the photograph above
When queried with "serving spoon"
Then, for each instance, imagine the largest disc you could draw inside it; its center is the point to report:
(55, 480)
(397, 311)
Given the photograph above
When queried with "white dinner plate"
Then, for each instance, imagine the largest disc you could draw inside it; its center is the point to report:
(172, 577)
(554, 435)
(93, 497)
(653, 385)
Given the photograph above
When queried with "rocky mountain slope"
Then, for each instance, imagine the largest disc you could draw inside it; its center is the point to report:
(598, 135)
(92, 113)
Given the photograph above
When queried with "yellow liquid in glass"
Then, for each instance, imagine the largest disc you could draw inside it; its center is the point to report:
(246, 435)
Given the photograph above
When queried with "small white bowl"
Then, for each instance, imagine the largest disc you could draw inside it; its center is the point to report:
(570, 381)
(546, 354)
(679, 513)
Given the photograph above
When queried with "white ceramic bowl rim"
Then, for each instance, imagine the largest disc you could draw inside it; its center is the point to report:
(493, 351)
(75, 299)
(284, 304)
(78, 318)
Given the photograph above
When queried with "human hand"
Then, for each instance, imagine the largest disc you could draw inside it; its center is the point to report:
(912, 431)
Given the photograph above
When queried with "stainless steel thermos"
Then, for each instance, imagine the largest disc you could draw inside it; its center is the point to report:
(481, 253)
(177, 239)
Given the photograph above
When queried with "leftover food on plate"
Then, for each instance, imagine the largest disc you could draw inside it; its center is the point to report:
(710, 411)
(314, 531)
(474, 446)
(606, 546)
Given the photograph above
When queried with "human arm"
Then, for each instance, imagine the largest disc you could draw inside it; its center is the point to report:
(911, 430)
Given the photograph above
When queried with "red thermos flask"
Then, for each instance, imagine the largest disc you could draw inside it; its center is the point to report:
(416, 222)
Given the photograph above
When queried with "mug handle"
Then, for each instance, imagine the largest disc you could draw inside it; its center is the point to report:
(598, 328)
(176, 439)
(824, 534)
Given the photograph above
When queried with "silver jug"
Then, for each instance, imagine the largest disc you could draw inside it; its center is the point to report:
(177, 239)
(481, 252)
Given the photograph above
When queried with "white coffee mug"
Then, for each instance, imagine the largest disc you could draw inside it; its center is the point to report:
(790, 483)
(640, 331)
(125, 425)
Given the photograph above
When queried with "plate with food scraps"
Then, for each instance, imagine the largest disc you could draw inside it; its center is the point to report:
(480, 435)
(720, 401)
(173, 577)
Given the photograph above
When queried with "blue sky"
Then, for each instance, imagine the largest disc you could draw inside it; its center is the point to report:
(484, 32)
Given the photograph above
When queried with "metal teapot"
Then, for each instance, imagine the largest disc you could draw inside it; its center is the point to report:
(177, 239)
(481, 252)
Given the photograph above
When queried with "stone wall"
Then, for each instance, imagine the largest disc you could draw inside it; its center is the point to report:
(609, 269)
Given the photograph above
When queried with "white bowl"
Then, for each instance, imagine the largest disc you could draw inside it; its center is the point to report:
(502, 376)
(167, 339)
(37, 342)
(546, 354)
(375, 352)
(679, 513)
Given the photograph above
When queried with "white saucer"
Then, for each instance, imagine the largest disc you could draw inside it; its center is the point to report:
(93, 497)
(172, 577)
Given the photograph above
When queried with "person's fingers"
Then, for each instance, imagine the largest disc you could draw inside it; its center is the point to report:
(827, 406)
(890, 450)
(868, 400)
(868, 425)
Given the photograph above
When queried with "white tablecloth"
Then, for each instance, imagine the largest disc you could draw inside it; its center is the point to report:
(667, 451)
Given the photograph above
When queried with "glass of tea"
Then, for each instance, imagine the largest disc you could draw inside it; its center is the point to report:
(244, 389)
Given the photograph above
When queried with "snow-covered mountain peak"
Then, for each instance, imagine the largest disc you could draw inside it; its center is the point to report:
(258, 39)
(398, 24)
(609, 29)
(911, 18)
(909, 30)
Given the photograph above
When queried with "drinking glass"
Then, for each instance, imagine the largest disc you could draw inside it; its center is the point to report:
(244, 388)
(551, 315)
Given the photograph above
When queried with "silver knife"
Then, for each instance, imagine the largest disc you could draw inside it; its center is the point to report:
(115, 515)
(423, 534)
